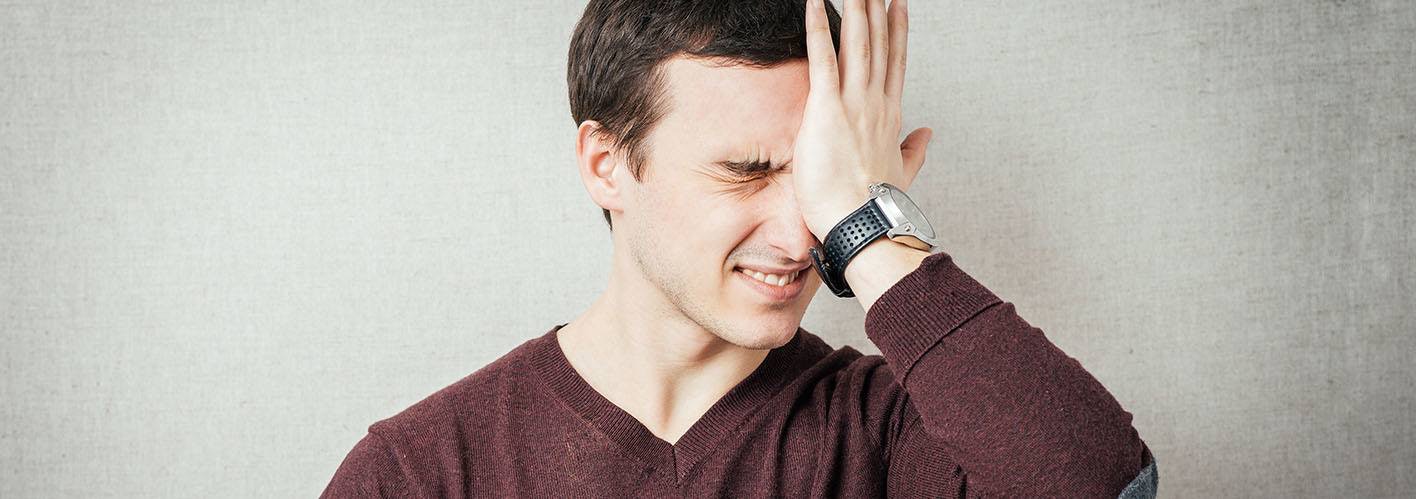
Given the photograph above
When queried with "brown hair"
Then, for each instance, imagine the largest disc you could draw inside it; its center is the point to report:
(614, 74)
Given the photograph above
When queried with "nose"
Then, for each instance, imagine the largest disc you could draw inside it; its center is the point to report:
(787, 231)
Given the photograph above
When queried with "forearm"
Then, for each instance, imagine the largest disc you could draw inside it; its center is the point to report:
(1022, 416)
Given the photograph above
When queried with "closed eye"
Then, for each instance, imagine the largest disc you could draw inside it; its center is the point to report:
(750, 168)
(745, 185)
(744, 178)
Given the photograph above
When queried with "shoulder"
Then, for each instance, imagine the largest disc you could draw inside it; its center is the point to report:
(468, 401)
(851, 395)
(855, 386)
(845, 378)
(406, 454)
(842, 364)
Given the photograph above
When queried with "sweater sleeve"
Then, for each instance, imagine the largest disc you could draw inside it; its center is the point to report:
(370, 470)
(1019, 416)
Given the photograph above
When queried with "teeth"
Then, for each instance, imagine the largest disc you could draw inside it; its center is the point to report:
(773, 279)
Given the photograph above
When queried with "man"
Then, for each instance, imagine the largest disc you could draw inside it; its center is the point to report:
(725, 141)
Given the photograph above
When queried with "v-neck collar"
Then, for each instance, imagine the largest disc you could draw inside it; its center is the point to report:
(779, 366)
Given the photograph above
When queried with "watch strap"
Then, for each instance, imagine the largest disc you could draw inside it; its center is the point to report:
(844, 241)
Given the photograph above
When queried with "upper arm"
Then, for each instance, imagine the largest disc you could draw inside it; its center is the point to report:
(370, 470)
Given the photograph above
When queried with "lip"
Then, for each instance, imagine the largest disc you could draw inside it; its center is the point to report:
(775, 293)
(774, 270)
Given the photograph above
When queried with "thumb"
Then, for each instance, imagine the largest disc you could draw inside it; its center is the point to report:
(912, 151)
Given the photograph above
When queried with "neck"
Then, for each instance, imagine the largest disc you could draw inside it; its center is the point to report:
(641, 353)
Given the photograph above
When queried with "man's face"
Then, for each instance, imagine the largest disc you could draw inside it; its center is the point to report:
(694, 223)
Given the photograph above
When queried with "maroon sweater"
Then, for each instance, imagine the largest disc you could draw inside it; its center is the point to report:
(966, 398)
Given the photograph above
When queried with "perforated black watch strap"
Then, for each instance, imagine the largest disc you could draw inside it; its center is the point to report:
(842, 243)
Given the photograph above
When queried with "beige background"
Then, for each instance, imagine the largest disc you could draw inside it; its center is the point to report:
(232, 236)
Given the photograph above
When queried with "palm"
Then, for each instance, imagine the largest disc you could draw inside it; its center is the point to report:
(851, 121)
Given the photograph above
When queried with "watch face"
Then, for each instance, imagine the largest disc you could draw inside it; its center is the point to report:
(912, 213)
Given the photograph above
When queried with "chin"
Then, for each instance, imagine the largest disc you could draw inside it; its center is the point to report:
(767, 338)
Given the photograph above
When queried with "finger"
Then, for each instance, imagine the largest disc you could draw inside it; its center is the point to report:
(820, 51)
(879, 43)
(855, 45)
(899, 32)
(912, 150)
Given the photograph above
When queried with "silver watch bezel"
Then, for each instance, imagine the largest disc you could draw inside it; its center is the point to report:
(918, 234)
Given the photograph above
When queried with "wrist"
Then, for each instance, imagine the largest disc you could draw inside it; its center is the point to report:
(878, 267)
(886, 213)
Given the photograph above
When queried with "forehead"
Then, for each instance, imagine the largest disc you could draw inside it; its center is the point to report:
(730, 110)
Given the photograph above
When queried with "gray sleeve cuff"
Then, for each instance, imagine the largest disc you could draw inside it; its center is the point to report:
(1144, 485)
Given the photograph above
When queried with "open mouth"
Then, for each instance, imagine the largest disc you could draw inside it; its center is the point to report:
(774, 287)
(779, 280)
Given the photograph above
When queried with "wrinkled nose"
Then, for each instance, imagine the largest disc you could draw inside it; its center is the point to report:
(788, 231)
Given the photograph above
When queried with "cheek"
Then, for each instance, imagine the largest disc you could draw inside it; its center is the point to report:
(724, 224)
(694, 223)
(703, 216)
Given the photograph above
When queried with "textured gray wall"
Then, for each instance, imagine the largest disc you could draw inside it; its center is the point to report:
(231, 236)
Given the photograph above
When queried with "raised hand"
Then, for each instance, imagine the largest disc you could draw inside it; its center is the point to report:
(852, 114)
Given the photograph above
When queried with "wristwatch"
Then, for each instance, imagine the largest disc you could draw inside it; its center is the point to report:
(888, 212)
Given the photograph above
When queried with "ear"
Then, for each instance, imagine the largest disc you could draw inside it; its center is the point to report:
(601, 170)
